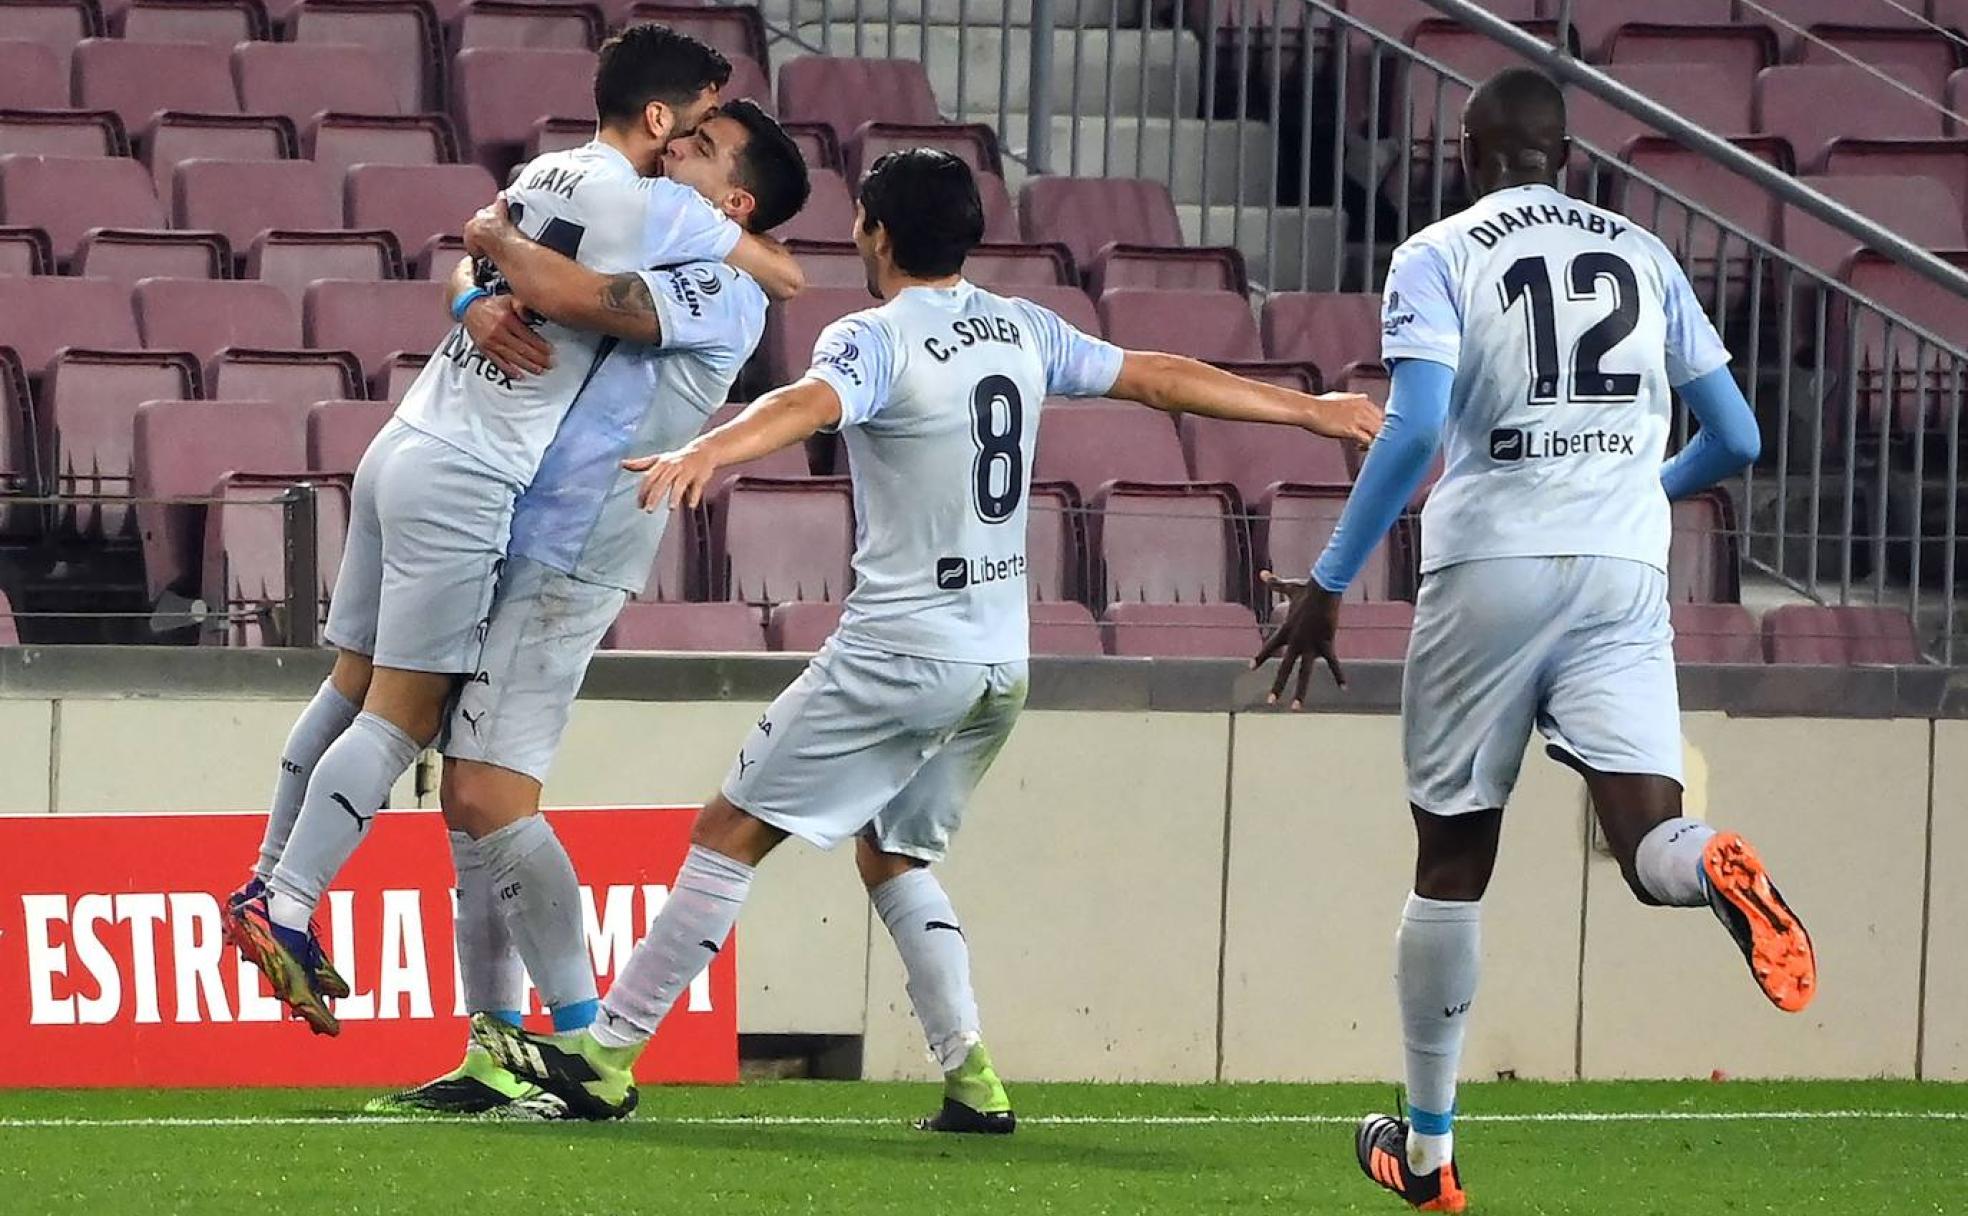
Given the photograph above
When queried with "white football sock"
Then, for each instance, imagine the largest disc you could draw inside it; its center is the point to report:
(1438, 957)
(540, 899)
(320, 724)
(488, 964)
(937, 959)
(687, 934)
(349, 785)
(1669, 862)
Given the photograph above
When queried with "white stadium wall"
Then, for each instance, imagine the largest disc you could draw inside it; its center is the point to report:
(1167, 884)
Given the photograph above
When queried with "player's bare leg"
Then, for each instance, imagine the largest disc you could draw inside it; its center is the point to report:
(936, 957)
(593, 1070)
(1671, 860)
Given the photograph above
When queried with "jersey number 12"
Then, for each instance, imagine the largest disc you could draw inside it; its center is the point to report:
(1529, 280)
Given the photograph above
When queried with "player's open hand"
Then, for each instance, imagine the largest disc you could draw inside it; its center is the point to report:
(484, 229)
(1344, 416)
(497, 326)
(1311, 620)
(678, 477)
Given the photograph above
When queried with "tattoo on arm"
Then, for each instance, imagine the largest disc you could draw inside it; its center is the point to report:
(627, 295)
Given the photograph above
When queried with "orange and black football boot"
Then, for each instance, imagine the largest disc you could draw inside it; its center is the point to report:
(1382, 1145)
(1751, 908)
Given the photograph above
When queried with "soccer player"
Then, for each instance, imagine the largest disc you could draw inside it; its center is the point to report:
(434, 497)
(884, 736)
(580, 545)
(1538, 336)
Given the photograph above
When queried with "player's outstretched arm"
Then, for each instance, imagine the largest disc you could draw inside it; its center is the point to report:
(1395, 465)
(779, 419)
(1728, 442)
(1181, 385)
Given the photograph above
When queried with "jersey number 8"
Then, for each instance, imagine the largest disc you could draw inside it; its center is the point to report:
(997, 426)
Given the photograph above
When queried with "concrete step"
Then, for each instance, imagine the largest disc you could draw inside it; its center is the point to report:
(952, 12)
(1132, 147)
(1277, 244)
(984, 52)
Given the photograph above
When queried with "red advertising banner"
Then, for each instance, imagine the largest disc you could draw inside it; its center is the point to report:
(113, 969)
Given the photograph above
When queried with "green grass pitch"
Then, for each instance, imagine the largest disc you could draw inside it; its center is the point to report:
(1859, 1149)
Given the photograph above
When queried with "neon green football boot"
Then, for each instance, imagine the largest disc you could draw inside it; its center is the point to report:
(595, 1082)
(477, 1085)
(974, 1099)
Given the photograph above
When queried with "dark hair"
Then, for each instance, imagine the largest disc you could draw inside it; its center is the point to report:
(927, 199)
(771, 165)
(646, 63)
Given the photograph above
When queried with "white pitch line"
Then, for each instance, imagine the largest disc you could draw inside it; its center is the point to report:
(1665, 1116)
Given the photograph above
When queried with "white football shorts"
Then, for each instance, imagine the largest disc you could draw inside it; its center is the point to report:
(1578, 647)
(890, 744)
(427, 535)
(514, 709)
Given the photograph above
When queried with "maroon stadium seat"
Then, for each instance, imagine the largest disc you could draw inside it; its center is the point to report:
(128, 256)
(137, 79)
(1190, 631)
(292, 260)
(1944, 160)
(375, 320)
(748, 80)
(338, 141)
(244, 198)
(844, 93)
(1200, 324)
(289, 377)
(219, 22)
(1399, 17)
(204, 317)
(1373, 631)
(404, 32)
(1918, 400)
(40, 316)
(1087, 214)
(90, 405)
(182, 449)
(1614, 31)
(25, 251)
(678, 571)
(175, 138)
(63, 133)
(1064, 630)
(828, 214)
(735, 29)
(791, 327)
(1702, 564)
(1055, 565)
(30, 77)
(1918, 208)
(392, 381)
(66, 196)
(1255, 458)
(1738, 200)
(339, 432)
(57, 25)
(21, 442)
(1090, 443)
(1808, 633)
(976, 144)
(1921, 59)
(773, 541)
(834, 264)
(1328, 330)
(1167, 544)
(557, 135)
(1000, 213)
(1811, 105)
(1216, 268)
(556, 26)
(1013, 269)
(494, 119)
(417, 202)
(302, 79)
(803, 627)
(816, 143)
(1709, 98)
(652, 625)
(1290, 530)
(245, 557)
(1715, 633)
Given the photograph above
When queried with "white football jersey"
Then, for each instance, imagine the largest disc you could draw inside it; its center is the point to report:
(580, 515)
(940, 392)
(588, 203)
(1567, 326)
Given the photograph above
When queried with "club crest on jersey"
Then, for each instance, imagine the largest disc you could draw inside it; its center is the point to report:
(1392, 317)
(843, 358)
(707, 281)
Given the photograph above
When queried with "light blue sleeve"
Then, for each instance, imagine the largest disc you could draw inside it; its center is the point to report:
(1694, 349)
(1076, 364)
(1419, 314)
(680, 225)
(857, 355)
(1727, 442)
(1417, 409)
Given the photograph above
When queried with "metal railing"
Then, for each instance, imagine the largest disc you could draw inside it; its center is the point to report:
(1315, 142)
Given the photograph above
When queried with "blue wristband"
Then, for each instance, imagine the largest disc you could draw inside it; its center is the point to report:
(459, 305)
